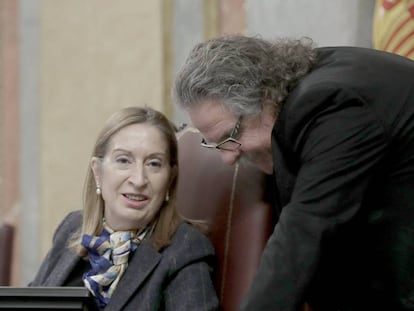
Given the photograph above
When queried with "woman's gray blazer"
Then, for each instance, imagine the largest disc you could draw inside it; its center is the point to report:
(176, 278)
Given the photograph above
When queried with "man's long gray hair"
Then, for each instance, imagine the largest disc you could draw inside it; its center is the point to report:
(241, 72)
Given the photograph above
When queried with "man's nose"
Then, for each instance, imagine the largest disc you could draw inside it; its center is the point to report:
(230, 157)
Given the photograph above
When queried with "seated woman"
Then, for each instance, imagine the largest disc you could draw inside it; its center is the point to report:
(129, 246)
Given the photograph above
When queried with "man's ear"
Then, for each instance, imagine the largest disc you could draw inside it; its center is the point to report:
(96, 166)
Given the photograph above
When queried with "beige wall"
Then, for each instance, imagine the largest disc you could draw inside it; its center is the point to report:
(9, 127)
(95, 57)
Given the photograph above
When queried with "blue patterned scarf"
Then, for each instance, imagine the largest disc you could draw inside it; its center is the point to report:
(108, 255)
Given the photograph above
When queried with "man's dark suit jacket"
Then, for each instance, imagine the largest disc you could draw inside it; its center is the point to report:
(343, 152)
(176, 278)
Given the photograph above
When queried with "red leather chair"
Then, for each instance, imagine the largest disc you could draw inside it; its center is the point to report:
(6, 251)
(231, 199)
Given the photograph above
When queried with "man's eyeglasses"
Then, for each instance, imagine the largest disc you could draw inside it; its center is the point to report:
(230, 143)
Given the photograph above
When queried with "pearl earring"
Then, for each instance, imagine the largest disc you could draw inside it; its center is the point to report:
(167, 197)
(98, 190)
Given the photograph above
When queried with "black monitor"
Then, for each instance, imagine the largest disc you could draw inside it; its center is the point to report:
(46, 298)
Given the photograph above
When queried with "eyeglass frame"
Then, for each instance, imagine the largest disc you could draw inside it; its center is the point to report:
(232, 138)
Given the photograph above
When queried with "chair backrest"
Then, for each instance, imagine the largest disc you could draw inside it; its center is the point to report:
(6, 251)
(231, 199)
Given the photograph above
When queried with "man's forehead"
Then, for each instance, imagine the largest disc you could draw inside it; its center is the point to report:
(209, 113)
(212, 119)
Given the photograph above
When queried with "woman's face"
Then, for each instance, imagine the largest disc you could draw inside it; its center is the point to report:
(134, 176)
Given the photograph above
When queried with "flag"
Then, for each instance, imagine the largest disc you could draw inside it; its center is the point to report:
(393, 27)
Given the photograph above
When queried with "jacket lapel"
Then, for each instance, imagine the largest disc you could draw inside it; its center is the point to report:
(66, 263)
(284, 178)
(141, 265)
